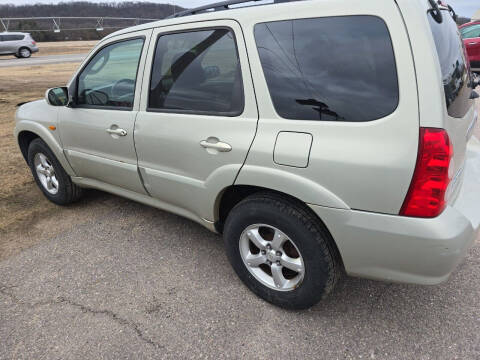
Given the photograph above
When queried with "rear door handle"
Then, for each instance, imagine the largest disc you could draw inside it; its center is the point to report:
(219, 146)
(472, 43)
(119, 132)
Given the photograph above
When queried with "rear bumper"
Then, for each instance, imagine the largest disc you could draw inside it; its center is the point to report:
(411, 250)
(34, 49)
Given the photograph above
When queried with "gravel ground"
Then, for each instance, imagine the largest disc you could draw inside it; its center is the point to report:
(137, 282)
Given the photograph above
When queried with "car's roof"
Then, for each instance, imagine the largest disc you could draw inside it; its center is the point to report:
(476, 22)
(13, 33)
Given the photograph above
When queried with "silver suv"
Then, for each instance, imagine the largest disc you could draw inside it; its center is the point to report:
(16, 43)
(319, 137)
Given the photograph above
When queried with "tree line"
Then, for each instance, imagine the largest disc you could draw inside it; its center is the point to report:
(81, 9)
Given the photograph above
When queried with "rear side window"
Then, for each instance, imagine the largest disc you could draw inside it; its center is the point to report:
(455, 72)
(12, 37)
(197, 72)
(329, 69)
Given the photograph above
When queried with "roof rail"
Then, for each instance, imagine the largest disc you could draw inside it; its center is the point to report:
(222, 5)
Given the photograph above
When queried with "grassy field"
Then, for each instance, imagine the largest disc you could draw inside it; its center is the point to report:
(65, 47)
(25, 215)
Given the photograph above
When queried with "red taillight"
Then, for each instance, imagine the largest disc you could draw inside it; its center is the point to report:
(34, 42)
(426, 196)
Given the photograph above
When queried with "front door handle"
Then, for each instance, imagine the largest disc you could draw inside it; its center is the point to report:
(472, 43)
(218, 145)
(118, 132)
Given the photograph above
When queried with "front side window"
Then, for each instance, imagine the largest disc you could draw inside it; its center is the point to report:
(329, 69)
(109, 78)
(197, 72)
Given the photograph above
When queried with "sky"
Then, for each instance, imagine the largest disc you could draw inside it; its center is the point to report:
(462, 7)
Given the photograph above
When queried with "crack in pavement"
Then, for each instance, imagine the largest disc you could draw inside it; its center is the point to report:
(85, 309)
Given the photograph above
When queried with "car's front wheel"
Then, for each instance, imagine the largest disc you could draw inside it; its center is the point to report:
(50, 176)
(281, 251)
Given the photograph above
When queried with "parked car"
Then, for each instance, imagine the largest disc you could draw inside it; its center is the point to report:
(471, 37)
(19, 44)
(259, 123)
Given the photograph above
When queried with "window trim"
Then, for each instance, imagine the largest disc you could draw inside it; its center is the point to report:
(100, 107)
(196, 112)
(331, 17)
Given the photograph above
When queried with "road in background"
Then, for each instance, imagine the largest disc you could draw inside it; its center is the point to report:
(42, 60)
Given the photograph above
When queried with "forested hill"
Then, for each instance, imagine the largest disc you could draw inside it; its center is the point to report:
(81, 9)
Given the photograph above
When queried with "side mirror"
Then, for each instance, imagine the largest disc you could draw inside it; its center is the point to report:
(57, 96)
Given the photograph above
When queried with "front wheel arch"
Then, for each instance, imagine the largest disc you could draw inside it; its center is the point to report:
(24, 140)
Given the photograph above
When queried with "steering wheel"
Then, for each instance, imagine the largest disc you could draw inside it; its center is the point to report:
(123, 88)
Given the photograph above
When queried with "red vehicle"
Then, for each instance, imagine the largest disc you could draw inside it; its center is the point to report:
(471, 37)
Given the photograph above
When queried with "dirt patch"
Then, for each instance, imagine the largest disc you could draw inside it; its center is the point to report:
(25, 215)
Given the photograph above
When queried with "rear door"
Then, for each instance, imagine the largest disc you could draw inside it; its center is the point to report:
(2, 45)
(198, 114)
(10, 43)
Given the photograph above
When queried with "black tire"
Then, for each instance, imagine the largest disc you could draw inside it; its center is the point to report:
(320, 256)
(24, 52)
(67, 192)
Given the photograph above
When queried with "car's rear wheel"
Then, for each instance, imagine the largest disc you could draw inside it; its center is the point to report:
(281, 251)
(25, 53)
(50, 176)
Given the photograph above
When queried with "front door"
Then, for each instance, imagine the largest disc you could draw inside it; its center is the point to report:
(97, 132)
(198, 114)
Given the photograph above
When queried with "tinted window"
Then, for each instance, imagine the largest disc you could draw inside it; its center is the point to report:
(109, 78)
(12, 37)
(197, 72)
(471, 32)
(455, 72)
(331, 69)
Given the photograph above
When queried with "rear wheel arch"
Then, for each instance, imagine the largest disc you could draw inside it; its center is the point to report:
(233, 195)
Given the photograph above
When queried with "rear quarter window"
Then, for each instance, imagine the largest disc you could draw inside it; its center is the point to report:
(455, 70)
(329, 69)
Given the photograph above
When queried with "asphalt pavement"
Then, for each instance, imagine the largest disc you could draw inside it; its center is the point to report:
(139, 283)
(41, 60)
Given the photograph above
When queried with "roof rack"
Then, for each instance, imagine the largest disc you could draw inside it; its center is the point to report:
(219, 6)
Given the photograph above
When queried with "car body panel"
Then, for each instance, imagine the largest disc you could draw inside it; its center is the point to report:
(341, 160)
(93, 152)
(36, 117)
(174, 166)
(411, 250)
(432, 100)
